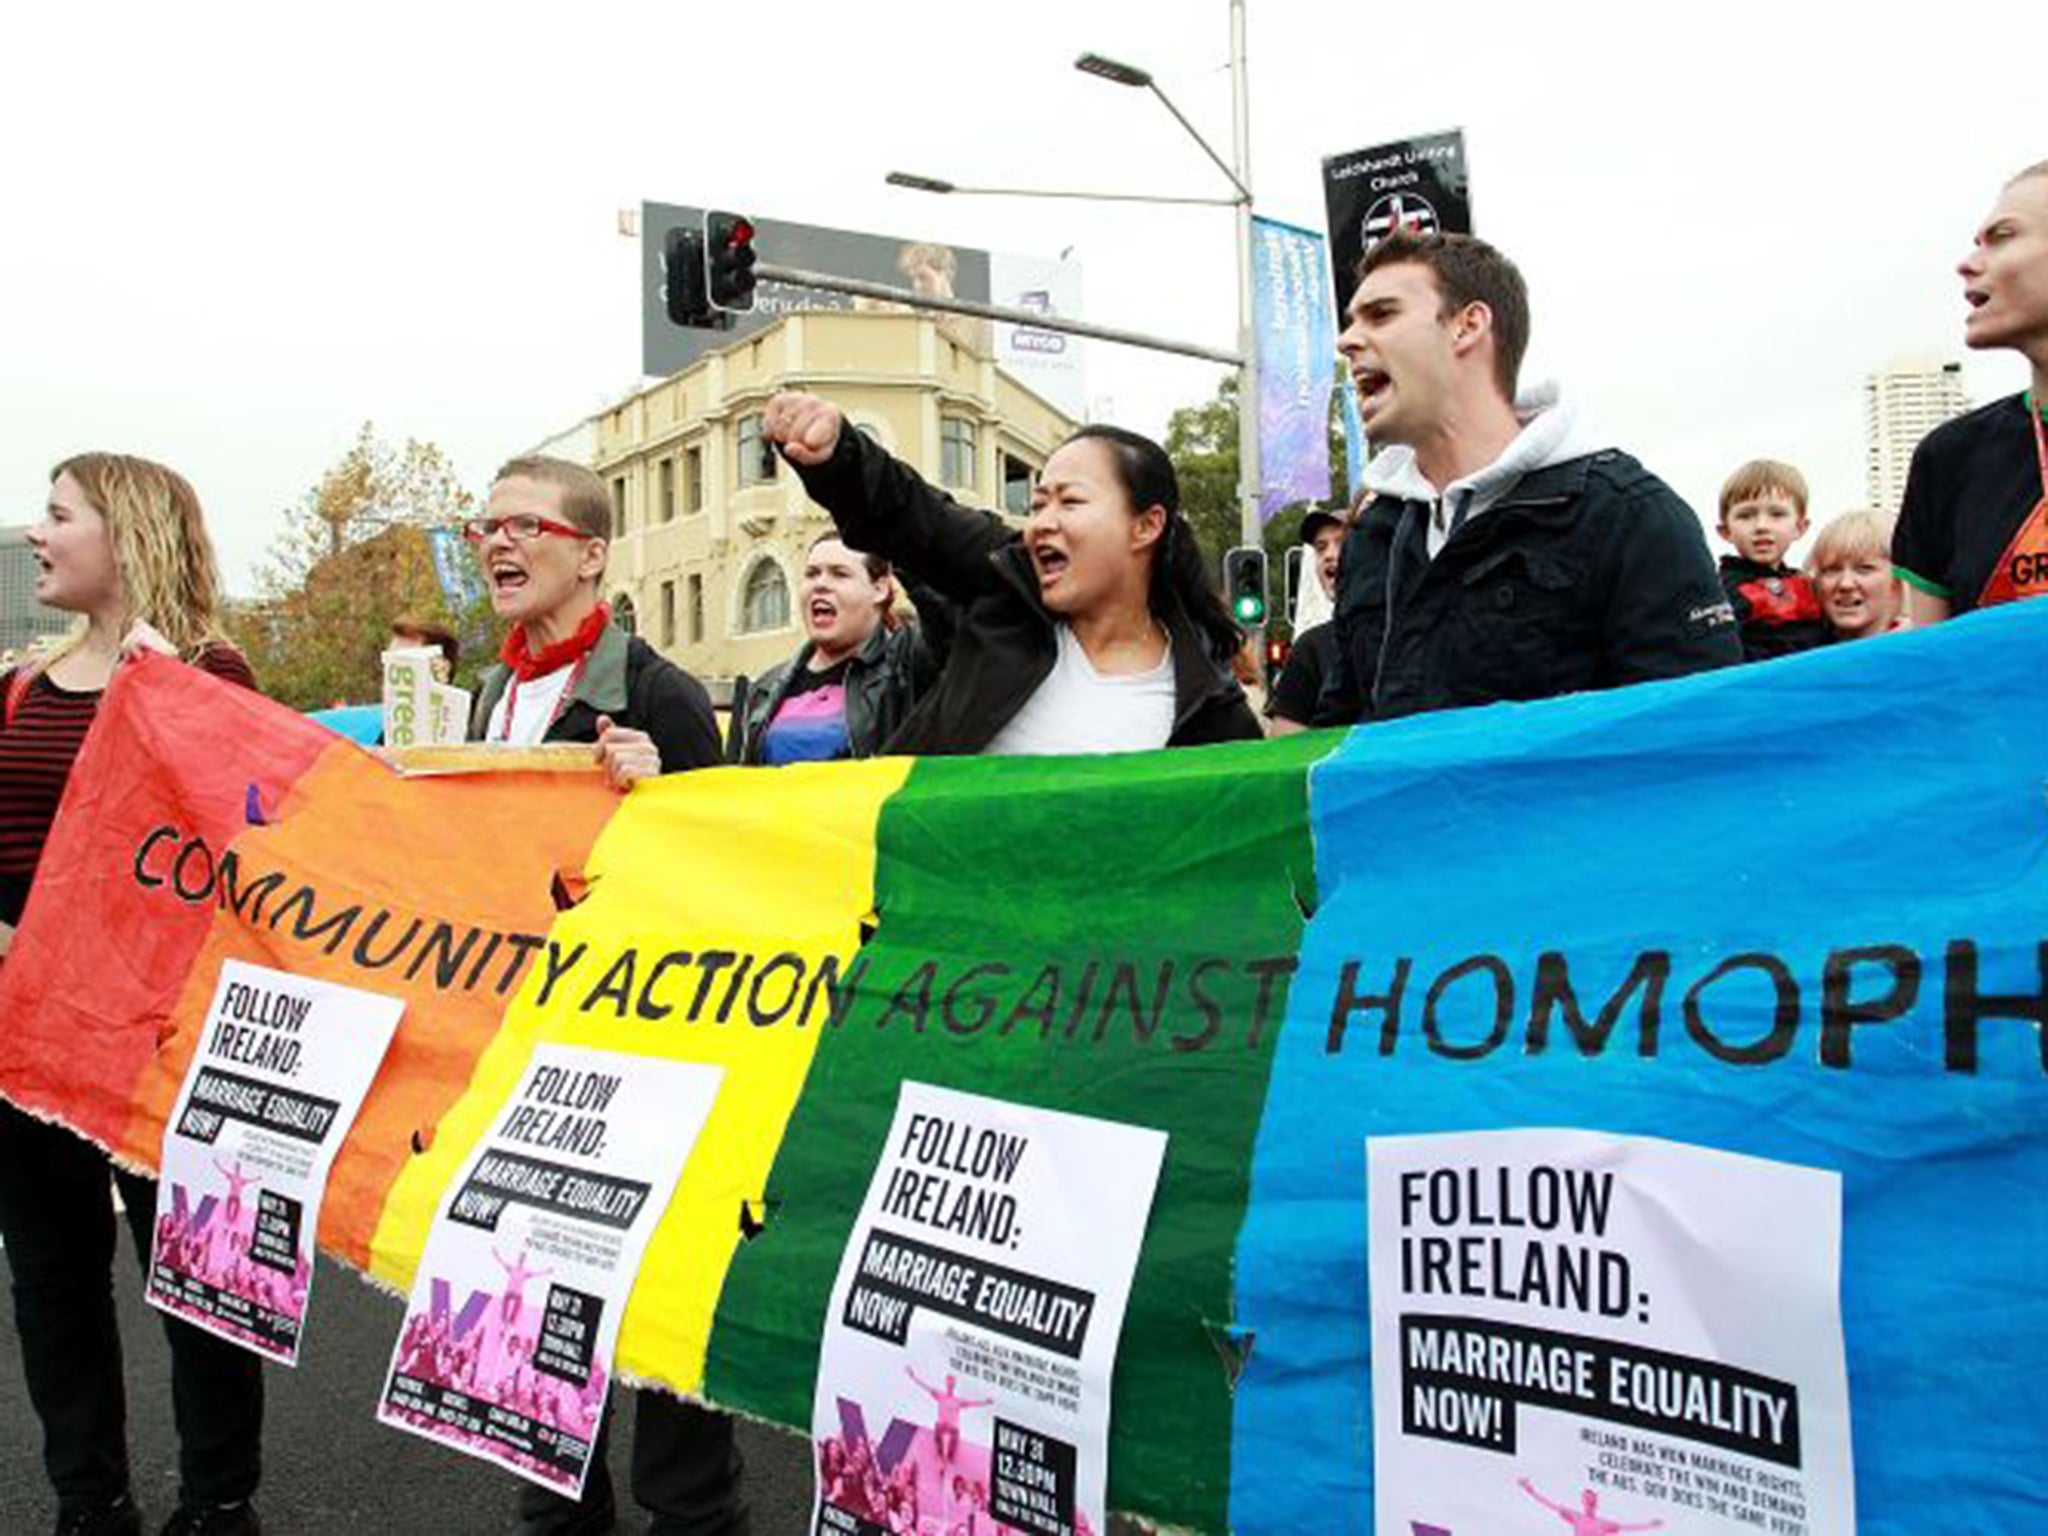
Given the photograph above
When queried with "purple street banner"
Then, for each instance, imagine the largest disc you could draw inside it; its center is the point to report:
(562, 1193)
(282, 1067)
(1296, 349)
(963, 1380)
(1355, 452)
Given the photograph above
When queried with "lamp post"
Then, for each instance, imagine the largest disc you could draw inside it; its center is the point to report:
(1239, 176)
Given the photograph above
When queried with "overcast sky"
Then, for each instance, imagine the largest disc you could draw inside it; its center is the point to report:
(231, 237)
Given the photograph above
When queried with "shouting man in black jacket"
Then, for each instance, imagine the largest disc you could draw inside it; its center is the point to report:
(1507, 555)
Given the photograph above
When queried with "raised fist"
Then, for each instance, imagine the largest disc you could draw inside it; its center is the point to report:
(803, 426)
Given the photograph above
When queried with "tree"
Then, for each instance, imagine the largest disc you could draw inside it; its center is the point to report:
(1202, 442)
(355, 553)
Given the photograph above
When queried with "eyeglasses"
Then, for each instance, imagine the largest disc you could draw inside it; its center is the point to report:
(519, 529)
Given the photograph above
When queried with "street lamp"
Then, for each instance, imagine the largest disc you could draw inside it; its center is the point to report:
(914, 182)
(1129, 74)
(918, 183)
(1111, 70)
(1239, 175)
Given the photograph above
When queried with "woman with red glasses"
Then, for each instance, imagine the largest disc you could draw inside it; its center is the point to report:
(569, 675)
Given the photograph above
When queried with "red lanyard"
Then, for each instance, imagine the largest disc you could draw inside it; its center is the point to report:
(561, 700)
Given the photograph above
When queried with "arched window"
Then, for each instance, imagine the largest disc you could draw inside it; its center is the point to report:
(623, 614)
(764, 598)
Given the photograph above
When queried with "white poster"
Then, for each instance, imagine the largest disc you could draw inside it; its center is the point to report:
(506, 1353)
(963, 1382)
(282, 1065)
(1616, 1332)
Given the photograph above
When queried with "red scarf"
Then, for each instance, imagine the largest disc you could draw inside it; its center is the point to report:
(528, 664)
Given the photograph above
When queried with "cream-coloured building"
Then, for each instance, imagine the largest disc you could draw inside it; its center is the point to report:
(1901, 405)
(711, 528)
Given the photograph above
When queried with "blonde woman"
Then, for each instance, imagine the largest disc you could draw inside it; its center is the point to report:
(1851, 566)
(122, 544)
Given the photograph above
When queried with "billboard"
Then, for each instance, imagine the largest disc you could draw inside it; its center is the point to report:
(1044, 361)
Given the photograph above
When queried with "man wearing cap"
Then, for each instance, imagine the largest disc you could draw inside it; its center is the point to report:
(1292, 705)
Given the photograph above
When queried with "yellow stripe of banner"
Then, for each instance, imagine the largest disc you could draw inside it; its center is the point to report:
(720, 905)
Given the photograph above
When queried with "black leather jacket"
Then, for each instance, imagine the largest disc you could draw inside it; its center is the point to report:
(1004, 642)
(884, 678)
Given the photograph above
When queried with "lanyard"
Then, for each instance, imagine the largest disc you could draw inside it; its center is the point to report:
(561, 701)
(2040, 443)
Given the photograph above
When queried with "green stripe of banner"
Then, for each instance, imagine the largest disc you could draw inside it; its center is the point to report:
(1181, 881)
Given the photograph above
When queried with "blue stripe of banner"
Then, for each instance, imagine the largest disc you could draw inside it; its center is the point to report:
(1883, 792)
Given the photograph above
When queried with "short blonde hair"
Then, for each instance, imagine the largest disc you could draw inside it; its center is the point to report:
(1852, 536)
(161, 550)
(585, 502)
(1759, 477)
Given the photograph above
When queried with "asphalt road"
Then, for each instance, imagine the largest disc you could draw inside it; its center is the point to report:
(330, 1468)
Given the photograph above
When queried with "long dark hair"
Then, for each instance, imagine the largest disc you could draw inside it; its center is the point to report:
(1180, 576)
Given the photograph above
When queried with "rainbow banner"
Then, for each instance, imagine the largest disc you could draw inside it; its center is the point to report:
(1796, 913)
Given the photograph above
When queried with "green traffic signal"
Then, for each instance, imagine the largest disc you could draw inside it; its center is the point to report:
(1244, 584)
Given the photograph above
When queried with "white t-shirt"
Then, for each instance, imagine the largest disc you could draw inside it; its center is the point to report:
(1078, 709)
(536, 701)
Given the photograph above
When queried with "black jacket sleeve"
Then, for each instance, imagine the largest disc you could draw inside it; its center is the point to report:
(884, 507)
(937, 621)
(755, 710)
(1667, 613)
(672, 707)
(1230, 719)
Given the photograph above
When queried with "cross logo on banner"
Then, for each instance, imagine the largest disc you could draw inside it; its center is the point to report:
(1399, 210)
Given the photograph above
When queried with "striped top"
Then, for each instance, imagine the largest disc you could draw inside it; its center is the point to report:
(37, 748)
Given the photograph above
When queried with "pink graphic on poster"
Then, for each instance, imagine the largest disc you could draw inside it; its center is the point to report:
(282, 1067)
(963, 1384)
(506, 1353)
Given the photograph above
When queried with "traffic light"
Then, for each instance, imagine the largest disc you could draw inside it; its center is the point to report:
(1244, 584)
(729, 261)
(682, 280)
(1296, 560)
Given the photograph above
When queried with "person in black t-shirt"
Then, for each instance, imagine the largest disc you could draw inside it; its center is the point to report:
(1292, 705)
(1973, 527)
